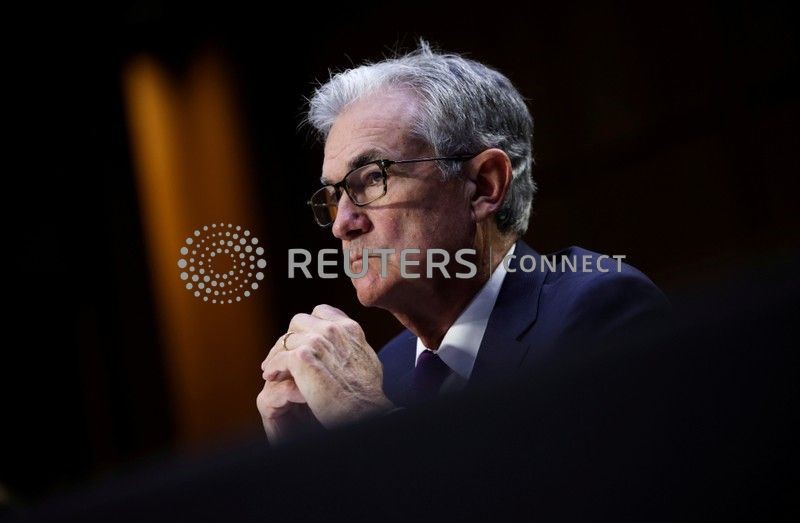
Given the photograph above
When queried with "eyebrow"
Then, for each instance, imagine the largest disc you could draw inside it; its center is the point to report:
(370, 155)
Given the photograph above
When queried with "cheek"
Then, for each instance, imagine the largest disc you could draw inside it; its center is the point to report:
(398, 230)
(443, 219)
(444, 227)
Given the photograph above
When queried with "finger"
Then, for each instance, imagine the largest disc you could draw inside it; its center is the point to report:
(321, 389)
(283, 413)
(277, 347)
(308, 323)
(277, 368)
(298, 339)
(282, 344)
(279, 394)
(306, 369)
(287, 422)
(312, 341)
(329, 312)
(273, 374)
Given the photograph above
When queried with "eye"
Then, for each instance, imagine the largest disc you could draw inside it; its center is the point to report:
(374, 177)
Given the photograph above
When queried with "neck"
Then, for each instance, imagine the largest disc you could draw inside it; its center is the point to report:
(430, 313)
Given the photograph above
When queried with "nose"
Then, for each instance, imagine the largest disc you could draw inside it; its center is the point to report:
(351, 220)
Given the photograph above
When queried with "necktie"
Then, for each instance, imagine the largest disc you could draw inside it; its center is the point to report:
(429, 375)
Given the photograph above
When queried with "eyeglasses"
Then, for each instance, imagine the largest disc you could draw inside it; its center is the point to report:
(363, 185)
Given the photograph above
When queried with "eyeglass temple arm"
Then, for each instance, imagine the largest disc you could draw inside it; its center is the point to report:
(438, 158)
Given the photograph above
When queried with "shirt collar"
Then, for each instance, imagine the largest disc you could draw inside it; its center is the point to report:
(459, 347)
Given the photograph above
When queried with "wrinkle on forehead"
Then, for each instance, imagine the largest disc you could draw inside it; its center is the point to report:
(379, 122)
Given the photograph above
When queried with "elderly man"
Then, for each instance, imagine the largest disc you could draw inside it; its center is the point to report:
(434, 151)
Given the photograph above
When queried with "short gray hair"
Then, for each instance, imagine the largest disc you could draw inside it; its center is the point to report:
(465, 107)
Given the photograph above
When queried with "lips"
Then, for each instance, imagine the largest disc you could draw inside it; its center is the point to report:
(358, 255)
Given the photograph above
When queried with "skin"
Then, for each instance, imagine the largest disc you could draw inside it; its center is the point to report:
(328, 374)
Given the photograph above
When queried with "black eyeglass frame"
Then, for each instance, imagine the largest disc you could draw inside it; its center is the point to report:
(383, 164)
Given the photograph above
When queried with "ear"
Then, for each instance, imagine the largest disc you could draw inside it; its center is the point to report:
(491, 173)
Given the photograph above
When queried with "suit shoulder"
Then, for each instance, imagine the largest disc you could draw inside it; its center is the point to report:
(587, 271)
(598, 293)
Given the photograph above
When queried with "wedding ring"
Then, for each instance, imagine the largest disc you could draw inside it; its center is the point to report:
(284, 339)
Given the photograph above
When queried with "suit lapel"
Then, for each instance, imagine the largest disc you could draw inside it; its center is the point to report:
(501, 351)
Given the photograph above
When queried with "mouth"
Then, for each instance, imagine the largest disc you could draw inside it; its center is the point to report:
(358, 255)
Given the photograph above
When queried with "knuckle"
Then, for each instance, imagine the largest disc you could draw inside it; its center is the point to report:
(306, 354)
(331, 330)
(351, 326)
(315, 339)
(273, 398)
(296, 319)
(322, 307)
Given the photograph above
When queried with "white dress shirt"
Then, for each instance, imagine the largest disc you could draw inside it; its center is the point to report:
(461, 342)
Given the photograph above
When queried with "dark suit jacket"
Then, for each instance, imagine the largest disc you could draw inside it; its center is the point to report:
(543, 316)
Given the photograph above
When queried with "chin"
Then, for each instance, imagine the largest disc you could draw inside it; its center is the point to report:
(372, 290)
(368, 289)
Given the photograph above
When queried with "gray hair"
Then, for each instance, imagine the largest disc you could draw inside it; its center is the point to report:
(466, 107)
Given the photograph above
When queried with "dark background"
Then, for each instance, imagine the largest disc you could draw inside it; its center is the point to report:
(663, 133)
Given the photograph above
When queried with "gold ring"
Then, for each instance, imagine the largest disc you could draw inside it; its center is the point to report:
(284, 339)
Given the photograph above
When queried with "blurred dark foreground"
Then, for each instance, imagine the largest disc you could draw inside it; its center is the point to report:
(696, 423)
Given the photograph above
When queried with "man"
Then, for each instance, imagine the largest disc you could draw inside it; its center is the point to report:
(432, 151)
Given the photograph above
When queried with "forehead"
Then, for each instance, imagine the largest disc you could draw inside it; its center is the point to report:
(377, 125)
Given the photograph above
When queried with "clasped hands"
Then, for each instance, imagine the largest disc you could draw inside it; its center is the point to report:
(322, 373)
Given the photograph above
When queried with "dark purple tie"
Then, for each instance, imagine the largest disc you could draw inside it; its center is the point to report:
(429, 375)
